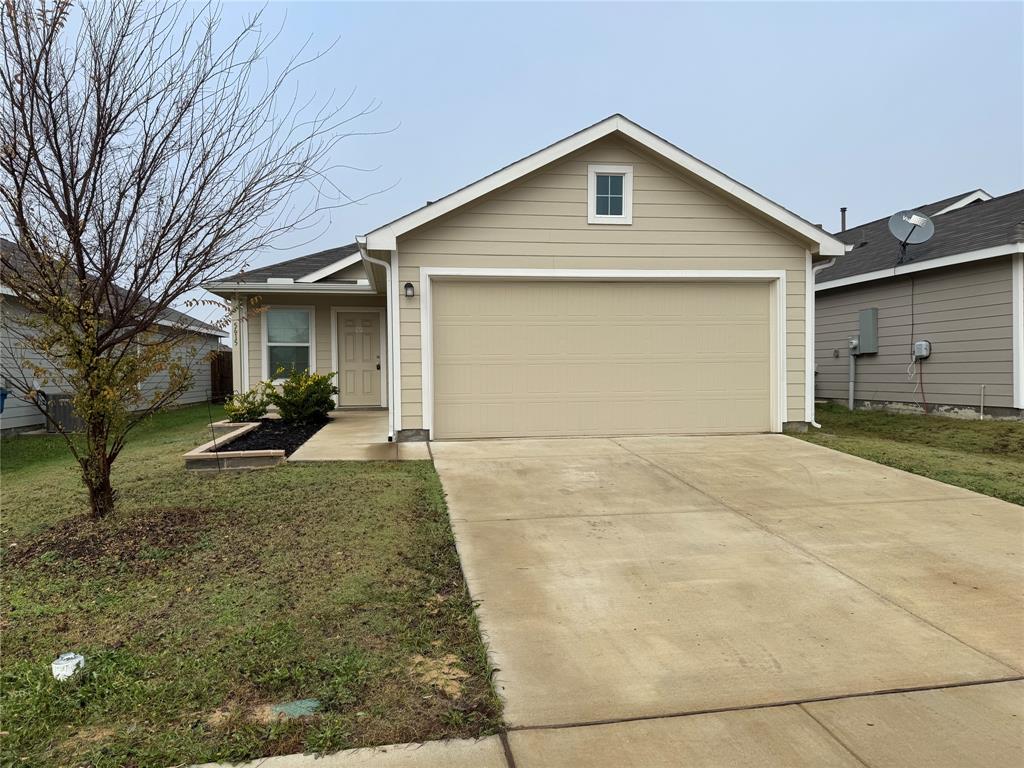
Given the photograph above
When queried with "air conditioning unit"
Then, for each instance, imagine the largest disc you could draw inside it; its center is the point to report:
(60, 410)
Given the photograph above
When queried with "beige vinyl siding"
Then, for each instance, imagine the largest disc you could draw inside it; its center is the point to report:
(540, 222)
(322, 305)
(965, 312)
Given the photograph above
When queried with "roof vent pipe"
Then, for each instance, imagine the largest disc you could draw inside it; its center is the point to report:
(842, 219)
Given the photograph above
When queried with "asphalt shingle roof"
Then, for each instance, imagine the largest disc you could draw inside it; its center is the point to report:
(296, 268)
(982, 224)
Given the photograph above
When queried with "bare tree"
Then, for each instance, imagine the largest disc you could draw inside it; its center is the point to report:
(138, 160)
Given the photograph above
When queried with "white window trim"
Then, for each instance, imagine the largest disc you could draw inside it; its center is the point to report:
(264, 343)
(626, 171)
(336, 312)
(775, 278)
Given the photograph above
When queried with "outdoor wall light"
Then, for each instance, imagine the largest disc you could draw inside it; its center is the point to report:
(410, 291)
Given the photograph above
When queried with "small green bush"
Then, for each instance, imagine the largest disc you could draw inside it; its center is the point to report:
(305, 398)
(251, 405)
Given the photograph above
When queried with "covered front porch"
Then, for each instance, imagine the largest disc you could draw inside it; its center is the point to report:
(358, 435)
(328, 313)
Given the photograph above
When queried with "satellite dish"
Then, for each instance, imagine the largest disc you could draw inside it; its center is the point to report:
(911, 227)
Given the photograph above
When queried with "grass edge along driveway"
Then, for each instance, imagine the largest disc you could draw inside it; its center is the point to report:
(205, 599)
(983, 456)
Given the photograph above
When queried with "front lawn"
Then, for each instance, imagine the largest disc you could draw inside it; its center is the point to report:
(984, 456)
(207, 598)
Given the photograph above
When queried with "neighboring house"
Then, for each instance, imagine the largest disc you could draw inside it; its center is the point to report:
(610, 284)
(962, 291)
(19, 414)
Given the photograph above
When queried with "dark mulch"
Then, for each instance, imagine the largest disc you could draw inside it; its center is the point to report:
(115, 542)
(273, 434)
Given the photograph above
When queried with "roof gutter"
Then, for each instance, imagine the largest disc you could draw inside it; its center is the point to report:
(287, 288)
(392, 335)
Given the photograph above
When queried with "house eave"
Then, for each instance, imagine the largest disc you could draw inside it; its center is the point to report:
(330, 288)
(922, 266)
(385, 238)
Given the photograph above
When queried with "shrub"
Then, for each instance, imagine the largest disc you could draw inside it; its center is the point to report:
(305, 398)
(251, 405)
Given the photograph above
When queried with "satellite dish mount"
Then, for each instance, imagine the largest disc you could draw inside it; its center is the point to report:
(910, 227)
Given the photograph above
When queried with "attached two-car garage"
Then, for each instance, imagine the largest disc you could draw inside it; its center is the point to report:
(517, 358)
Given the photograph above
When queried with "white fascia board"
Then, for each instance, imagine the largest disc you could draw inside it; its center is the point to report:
(975, 196)
(386, 237)
(330, 269)
(904, 269)
(361, 287)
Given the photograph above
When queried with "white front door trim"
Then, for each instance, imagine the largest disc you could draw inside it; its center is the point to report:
(336, 313)
(776, 278)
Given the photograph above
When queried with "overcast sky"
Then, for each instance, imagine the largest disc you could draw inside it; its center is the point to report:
(875, 106)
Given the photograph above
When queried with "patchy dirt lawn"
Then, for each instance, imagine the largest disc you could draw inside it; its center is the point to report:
(207, 599)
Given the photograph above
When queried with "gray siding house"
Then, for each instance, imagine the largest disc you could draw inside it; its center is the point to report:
(19, 415)
(962, 291)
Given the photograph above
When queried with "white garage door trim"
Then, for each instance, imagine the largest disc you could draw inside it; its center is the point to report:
(776, 278)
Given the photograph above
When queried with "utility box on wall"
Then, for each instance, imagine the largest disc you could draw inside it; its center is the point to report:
(867, 343)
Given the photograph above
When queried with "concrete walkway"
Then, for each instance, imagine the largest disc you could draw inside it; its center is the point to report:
(358, 436)
(732, 601)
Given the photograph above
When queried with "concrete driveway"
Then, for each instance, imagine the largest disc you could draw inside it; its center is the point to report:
(739, 601)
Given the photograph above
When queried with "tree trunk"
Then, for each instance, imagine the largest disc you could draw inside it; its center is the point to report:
(101, 494)
(96, 470)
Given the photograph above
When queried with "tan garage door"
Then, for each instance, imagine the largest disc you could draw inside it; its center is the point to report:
(557, 358)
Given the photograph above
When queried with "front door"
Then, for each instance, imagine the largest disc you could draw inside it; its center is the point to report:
(359, 356)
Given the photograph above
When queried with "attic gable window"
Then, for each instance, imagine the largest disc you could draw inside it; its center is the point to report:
(610, 194)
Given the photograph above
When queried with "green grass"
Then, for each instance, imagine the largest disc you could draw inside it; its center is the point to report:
(984, 456)
(206, 597)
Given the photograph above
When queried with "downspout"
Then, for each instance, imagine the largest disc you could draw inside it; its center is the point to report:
(242, 310)
(361, 242)
(811, 334)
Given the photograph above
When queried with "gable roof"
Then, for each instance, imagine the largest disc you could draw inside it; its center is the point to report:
(385, 237)
(13, 256)
(979, 229)
(302, 267)
(960, 201)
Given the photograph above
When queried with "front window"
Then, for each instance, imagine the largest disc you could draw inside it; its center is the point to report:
(289, 341)
(610, 191)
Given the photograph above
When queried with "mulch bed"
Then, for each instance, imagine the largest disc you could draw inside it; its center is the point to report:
(273, 434)
(114, 543)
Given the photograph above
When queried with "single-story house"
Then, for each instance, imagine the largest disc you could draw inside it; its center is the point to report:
(962, 291)
(609, 284)
(19, 414)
